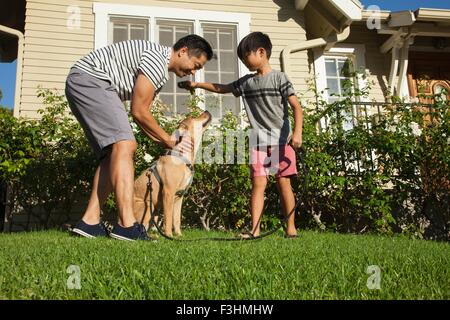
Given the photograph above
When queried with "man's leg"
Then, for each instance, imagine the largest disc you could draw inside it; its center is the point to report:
(122, 179)
(100, 111)
(101, 188)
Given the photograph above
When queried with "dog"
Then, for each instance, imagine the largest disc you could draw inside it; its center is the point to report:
(170, 176)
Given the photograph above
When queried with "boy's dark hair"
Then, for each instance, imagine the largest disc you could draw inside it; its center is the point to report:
(196, 46)
(252, 42)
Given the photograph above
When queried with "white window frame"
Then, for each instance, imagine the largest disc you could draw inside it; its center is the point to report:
(102, 11)
(219, 67)
(356, 51)
(111, 25)
(177, 96)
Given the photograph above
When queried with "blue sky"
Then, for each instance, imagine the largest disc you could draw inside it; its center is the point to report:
(8, 70)
(7, 83)
(396, 5)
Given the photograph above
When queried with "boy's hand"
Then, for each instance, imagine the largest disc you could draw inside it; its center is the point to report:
(188, 85)
(296, 140)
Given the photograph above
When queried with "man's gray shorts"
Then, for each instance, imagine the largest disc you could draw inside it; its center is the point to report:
(97, 106)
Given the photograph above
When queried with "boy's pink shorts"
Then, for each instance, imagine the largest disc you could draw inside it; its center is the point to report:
(267, 160)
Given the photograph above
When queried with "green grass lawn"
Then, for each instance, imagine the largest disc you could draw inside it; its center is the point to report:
(314, 266)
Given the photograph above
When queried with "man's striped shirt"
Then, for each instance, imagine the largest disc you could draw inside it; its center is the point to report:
(121, 62)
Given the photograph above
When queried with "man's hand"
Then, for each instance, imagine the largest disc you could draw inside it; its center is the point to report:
(296, 140)
(188, 85)
(182, 144)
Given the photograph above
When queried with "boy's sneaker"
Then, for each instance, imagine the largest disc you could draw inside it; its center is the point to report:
(135, 232)
(83, 229)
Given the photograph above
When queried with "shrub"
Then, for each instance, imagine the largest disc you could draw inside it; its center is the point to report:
(47, 163)
(387, 173)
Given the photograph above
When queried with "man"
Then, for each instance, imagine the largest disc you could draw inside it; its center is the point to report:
(96, 87)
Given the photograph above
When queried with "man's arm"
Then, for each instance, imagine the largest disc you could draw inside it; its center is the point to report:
(143, 94)
(213, 87)
(298, 119)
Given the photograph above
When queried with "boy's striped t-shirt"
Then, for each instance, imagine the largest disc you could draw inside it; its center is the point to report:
(266, 103)
(121, 62)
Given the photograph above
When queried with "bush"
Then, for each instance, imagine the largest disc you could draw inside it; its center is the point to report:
(387, 173)
(46, 163)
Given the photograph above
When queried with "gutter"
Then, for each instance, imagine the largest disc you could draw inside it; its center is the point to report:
(383, 15)
(433, 15)
(309, 44)
(20, 49)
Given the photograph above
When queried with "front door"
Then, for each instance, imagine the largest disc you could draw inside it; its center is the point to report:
(429, 74)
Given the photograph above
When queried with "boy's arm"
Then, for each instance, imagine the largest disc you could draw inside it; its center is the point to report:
(296, 139)
(213, 87)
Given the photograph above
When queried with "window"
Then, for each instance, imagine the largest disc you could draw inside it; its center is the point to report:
(339, 79)
(441, 90)
(340, 84)
(119, 22)
(223, 68)
(123, 29)
(335, 77)
(169, 32)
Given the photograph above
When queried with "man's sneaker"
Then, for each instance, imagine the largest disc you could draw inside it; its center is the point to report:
(90, 230)
(135, 232)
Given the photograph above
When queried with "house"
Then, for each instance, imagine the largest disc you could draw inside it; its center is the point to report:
(404, 52)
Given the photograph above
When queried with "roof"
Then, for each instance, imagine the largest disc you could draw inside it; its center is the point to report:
(14, 18)
(327, 16)
(439, 16)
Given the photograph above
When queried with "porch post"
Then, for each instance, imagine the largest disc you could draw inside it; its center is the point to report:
(394, 69)
(403, 66)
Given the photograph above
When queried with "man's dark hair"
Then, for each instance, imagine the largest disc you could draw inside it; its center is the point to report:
(196, 46)
(252, 42)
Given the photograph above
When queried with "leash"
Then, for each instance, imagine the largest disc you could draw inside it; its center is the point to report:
(301, 154)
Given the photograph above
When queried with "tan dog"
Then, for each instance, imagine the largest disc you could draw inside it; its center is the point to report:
(171, 175)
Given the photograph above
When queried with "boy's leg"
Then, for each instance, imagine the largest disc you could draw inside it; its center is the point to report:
(259, 184)
(286, 169)
(287, 203)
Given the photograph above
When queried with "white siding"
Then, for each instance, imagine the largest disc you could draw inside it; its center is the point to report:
(377, 64)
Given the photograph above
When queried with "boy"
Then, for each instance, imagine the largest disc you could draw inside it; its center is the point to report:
(266, 95)
(97, 84)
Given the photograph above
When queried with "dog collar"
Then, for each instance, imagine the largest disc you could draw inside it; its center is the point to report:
(180, 156)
